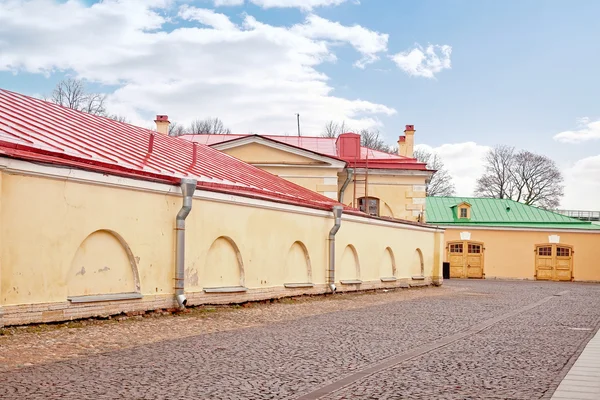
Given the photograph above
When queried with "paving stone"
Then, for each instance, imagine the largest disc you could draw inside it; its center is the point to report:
(283, 351)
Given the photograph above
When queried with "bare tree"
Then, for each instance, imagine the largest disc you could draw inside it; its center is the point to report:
(440, 184)
(521, 176)
(118, 117)
(537, 180)
(370, 138)
(497, 181)
(334, 129)
(176, 129)
(209, 126)
(72, 93)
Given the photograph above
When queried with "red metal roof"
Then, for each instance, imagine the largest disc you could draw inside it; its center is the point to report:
(323, 146)
(35, 130)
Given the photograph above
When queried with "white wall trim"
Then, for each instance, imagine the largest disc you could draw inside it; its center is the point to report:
(391, 224)
(395, 172)
(280, 165)
(310, 177)
(496, 228)
(273, 143)
(20, 167)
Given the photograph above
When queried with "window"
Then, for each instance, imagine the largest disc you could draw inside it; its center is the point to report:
(373, 205)
(545, 251)
(474, 248)
(456, 248)
(464, 213)
(563, 252)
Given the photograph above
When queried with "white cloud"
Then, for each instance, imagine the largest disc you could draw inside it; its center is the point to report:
(255, 77)
(303, 4)
(368, 43)
(219, 3)
(424, 62)
(582, 185)
(464, 162)
(207, 17)
(588, 130)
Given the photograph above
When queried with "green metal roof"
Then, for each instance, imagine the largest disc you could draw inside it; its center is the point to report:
(498, 213)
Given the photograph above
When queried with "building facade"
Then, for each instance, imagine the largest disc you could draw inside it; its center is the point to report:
(98, 217)
(376, 182)
(499, 238)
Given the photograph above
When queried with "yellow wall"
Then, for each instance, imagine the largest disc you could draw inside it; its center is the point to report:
(63, 238)
(510, 254)
(401, 197)
(256, 153)
(310, 174)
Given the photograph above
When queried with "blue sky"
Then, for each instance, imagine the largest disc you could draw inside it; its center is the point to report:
(521, 71)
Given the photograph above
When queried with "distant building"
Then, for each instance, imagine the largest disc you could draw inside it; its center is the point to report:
(376, 182)
(499, 238)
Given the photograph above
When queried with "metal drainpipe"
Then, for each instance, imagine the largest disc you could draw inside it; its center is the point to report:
(337, 213)
(188, 186)
(345, 185)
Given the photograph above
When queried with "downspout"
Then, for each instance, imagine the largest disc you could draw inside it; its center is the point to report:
(337, 213)
(345, 185)
(188, 186)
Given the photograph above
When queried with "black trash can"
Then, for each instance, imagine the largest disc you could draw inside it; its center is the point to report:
(446, 270)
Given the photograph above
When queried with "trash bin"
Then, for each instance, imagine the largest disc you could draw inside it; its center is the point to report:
(446, 270)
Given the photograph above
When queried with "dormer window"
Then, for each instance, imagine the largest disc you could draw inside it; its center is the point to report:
(462, 210)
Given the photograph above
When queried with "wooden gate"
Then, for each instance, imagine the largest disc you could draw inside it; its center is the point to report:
(466, 259)
(553, 262)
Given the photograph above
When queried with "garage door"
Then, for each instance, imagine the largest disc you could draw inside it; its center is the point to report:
(466, 259)
(553, 262)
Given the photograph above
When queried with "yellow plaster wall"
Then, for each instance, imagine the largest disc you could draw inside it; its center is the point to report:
(310, 174)
(396, 194)
(256, 153)
(45, 226)
(510, 254)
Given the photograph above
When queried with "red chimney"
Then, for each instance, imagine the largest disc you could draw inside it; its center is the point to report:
(348, 145)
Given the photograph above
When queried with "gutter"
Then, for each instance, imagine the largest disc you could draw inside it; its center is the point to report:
(337, 213)
(188, 187)
(345, 185)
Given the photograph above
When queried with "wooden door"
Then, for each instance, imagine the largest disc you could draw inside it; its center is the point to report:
(466, 259)
(553, 262)
(563, 263)
(544, 262)
(474, 259)
(456, 258)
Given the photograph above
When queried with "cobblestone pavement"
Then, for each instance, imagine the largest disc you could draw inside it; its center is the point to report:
(520, 357)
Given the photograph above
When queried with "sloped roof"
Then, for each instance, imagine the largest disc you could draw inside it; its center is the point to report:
(497, 213)
(320, 145)
(35, 130)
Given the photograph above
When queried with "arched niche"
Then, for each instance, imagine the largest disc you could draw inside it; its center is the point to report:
(387, 267)
(298, 268)
(349, 267)
(386, 210)
(224, 266)
(103, 264)
(418, 265)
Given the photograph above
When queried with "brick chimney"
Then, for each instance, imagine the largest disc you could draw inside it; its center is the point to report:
(406, 143)
(162, 124)
(348, 145)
